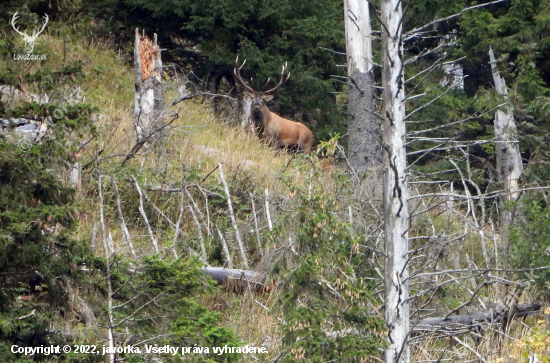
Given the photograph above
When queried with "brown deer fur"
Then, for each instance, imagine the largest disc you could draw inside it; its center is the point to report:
(278, 131)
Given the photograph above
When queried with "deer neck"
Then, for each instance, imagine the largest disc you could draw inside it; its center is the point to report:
(261, 117)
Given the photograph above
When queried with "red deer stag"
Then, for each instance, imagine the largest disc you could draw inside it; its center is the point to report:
(278, 131)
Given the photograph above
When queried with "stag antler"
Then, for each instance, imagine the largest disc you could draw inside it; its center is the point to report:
(281, 81)
(237, 72)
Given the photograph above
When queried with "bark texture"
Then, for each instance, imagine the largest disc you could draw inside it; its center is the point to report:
(358, 32)
(396, 214)
(364, 148)
(508, 160)
(149, 95)
(363, 124)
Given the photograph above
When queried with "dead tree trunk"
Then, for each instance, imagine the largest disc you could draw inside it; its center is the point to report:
(508, 158)
(396, 213)
(363, 124)
(149, 96)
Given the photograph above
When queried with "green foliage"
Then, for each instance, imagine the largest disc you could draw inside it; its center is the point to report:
(207, 36)
(518, 32)
(36, 265)
(326, 300)
(530, 241)
(535, 344)
(163, 296)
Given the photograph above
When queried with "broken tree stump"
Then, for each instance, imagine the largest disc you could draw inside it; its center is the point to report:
(149, 95)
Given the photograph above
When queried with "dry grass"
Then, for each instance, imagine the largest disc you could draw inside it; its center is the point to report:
(196, 139)
(250, 320)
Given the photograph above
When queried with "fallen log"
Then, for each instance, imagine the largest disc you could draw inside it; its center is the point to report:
(474, 319)
(446, 327)
(236, 279)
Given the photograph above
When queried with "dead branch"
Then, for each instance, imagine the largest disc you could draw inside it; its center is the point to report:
(429, 103)
(268, 215)
(139, 309)
(233, 221)
(256, 225)
(427, 52)
(225, 250)
(178, 224)
(199, 232)
(413, 33)
(475, 117)
(123, 227)
(142, 211)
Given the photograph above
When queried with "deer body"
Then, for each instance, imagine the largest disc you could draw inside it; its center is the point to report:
(278, 131)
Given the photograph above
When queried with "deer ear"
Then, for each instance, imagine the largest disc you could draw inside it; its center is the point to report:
(248, 94)
(267, 98)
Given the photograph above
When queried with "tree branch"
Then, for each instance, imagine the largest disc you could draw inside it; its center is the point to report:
(412, 34)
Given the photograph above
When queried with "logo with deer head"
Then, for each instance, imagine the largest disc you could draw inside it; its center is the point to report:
(28, 39)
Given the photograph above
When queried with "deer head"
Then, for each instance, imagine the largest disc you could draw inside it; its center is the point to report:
(259, 98)
(28, 39)
(278, 131)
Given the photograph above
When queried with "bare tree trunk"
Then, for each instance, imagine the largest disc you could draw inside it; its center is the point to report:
(256, 225)
(464, 322)
(508, 158)
(235, 277)
(364, 126)
(149, 95)
(396, 214)
(509, 163)
(75, 177)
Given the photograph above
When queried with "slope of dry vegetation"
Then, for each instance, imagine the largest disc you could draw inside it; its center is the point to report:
(188, 151)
